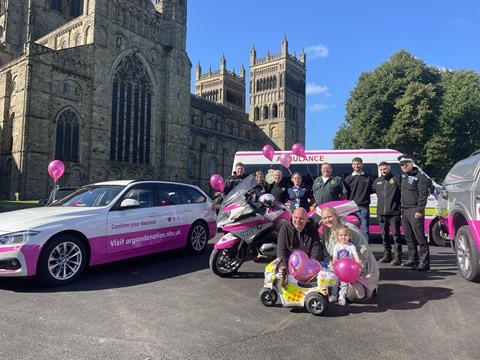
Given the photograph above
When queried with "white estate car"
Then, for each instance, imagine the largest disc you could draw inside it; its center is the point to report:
(104, 222)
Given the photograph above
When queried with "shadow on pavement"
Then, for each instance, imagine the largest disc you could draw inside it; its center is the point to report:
(124, 273)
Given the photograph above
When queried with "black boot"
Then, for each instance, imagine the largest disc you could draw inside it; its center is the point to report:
(387, 257)
(397, 260)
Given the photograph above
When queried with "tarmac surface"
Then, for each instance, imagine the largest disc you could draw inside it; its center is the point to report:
(171, 306)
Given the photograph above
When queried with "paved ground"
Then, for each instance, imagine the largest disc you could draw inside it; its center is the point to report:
(171, 306)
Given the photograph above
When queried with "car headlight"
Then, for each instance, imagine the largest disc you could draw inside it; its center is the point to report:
(20, 237)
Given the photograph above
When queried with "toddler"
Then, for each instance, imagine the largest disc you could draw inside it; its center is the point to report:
(343, 248)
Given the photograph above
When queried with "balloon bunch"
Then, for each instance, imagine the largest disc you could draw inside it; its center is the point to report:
(285, 159)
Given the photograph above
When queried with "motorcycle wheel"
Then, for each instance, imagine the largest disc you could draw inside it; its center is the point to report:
(316, 304)
(223, 264)
(268, 297)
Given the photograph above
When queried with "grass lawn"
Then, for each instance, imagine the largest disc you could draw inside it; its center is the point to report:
(13, 202)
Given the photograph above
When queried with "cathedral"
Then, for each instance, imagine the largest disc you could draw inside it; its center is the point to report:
(104, 86)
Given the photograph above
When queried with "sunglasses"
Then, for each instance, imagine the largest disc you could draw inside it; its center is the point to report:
(404, 163)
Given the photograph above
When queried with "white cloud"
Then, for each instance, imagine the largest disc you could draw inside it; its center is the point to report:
(316, 51)
(320, 107)
(317, 89)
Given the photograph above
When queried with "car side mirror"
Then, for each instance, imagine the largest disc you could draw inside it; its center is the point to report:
(42, 201)
(129, 203)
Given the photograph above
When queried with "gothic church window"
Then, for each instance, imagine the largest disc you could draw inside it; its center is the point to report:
(256, 114)
(274, 111)
(56, 5)
(78, 40)
(131, 121)
(7, 136)
(212, 166)
(75, 8)
(191, 166)
(67, 136)
(265, 112)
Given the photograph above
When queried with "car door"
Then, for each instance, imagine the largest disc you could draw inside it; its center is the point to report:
(134, 227)
(177, 216)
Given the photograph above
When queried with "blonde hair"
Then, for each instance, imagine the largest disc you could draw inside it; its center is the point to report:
(262, 177)
(345, 229)
(326, 229)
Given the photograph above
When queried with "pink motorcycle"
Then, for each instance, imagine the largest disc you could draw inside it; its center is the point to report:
(251, 223)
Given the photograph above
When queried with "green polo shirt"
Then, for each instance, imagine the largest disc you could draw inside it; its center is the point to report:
(331, 190)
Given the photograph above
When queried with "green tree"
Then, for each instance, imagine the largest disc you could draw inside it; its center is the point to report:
(459, 122)
(415, 122)
(417, 109)
(372, 106)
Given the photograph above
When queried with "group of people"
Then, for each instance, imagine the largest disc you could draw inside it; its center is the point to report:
(400, 201)
(297, 195)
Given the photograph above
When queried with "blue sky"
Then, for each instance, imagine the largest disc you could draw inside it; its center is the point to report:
(342, 39)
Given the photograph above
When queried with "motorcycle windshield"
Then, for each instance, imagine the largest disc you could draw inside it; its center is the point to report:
(237, 195)
(238, 192)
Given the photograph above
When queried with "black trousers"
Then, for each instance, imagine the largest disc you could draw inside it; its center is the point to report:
(386, 223)
(413, 230)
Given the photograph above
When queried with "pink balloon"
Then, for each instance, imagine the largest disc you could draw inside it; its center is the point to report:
(286, 160)
(301, 267)
(299, 150)
(216, 181)
(268, 152)
(56, 169)
(346, 269)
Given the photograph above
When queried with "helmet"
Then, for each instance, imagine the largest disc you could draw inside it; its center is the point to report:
(267, 199)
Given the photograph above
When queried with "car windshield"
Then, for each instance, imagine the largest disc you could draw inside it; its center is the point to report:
(91, 196)
(62, 192)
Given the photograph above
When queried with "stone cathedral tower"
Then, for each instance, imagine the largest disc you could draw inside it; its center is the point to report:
(277, 96)
(222, 86)
(103, 85)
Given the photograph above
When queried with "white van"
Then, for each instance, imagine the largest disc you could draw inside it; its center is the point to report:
(341, 161)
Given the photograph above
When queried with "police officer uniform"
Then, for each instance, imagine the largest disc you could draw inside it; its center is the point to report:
(388, 189)
(415, 192)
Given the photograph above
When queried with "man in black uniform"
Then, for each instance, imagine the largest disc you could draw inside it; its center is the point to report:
(388, 187)
(415, 191)
(234, 180)
(359, 187)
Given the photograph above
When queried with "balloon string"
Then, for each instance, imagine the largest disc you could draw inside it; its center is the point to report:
(308, 169)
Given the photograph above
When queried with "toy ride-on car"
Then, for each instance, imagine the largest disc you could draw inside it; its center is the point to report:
(311, 295)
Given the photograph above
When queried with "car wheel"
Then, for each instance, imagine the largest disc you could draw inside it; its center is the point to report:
(438, 236)
(316, 303)
(61, 261)
(225, 263)
(268, 297)
(197, 238)
(467, 254)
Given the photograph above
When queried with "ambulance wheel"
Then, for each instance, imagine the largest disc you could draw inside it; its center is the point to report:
(268, 297)
(316, 304)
